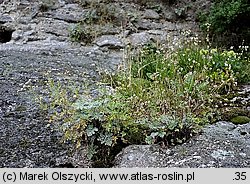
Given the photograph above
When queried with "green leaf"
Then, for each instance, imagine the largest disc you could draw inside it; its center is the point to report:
(91, 130)
(92, 150)
(149, 140)
(162, 134)
(106, 139)
(172, 125)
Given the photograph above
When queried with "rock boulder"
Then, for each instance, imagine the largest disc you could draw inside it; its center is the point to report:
(220, 145)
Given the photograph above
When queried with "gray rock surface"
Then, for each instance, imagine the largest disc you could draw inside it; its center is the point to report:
(40, 45)
(53, 20)
(151, 14)
(5, 19)
(220, 145)
(26, 140)
(110, 41)
(139, 39)
(146, 24)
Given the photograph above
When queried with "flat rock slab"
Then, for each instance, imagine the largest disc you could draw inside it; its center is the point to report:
(151, 14)
(109, 41)
(26, 140)
(220, 145)
(139, 39)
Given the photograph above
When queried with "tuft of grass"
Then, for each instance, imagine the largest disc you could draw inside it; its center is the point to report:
(82, 33)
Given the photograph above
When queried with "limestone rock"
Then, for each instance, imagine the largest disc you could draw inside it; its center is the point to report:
(139, 39)
(151, 14)
(109, 41)
(55, 27)
(145, 24)
(158, 36)
(169, 16)
(220, 145)
(5, 18)
(70, 13)
(140, 156)
(169, 26)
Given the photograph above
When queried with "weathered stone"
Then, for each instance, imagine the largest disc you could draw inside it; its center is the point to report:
(158, 36)
(107, 29)
(139, 39)
(17, 35)
(71, 1)
(151, 14)
(170, 16)
(70, 13)
(140, 156)
(220, 145)
(5, 18)
(188, 26)
(156, 32)
(56, 27)
(169, 26)
(109, 41)
(67, 18)
(145, 24)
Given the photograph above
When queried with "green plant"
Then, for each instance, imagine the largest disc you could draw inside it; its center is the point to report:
(90, 26)
(240, 120)
(228, 21)
(82, 33)
(100, 13)
(157, 97)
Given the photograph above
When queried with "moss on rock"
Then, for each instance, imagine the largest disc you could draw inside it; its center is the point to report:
(240, 120)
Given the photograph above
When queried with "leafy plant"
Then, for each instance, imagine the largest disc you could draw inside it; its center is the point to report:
(82, 33)
(157, 97)
(228, 21)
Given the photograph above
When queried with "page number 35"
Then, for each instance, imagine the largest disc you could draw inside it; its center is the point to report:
(240, 176)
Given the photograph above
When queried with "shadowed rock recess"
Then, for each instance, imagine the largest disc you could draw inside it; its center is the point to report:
(5, 34)
(36, 42)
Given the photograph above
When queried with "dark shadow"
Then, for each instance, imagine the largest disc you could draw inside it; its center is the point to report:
(243, 133)
(5, 34)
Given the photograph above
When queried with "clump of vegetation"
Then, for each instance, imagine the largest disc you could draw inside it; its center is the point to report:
(100, 13)
(228, 113)
(157, 97)
(240, 120)
(87, 29)
(82, 33)
(97, 17)
(228, 22)
(46, 5)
